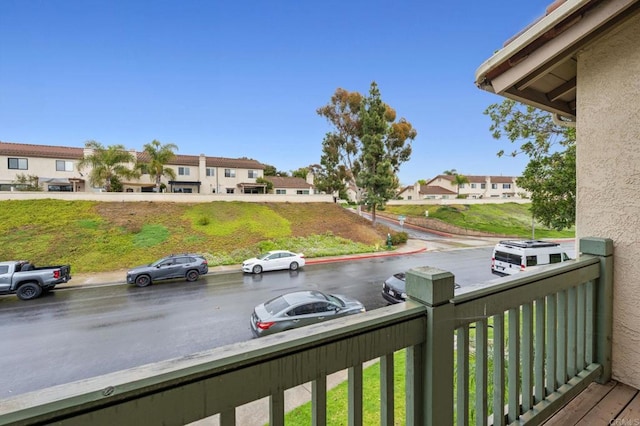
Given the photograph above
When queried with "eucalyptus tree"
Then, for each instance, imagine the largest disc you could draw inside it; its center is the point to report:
(108, 165)
(366, 135)
(159, 156)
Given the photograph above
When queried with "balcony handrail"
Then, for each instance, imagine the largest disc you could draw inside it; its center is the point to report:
(522, 288)
(197, 386)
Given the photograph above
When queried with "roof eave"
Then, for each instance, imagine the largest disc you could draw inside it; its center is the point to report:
(535, 57)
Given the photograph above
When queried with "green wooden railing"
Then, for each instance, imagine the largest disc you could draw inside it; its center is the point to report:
(535, 340)
(526, 345)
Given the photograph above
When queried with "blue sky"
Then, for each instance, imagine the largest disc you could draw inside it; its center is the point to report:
(243, 78)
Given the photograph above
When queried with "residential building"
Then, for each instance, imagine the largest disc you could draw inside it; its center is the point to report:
(284, 185)
(444, 187)
(57, 171)
(581, 63)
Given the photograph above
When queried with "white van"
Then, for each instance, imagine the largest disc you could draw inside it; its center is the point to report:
(513, 256)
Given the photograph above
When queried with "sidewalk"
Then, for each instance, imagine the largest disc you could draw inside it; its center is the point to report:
(85, 279)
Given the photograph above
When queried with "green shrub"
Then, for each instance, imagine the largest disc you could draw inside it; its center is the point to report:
(398, 238)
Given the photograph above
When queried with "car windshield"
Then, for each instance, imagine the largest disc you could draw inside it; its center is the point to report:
(335, 300)
(276, 305)
(157, 262)
(264, 256)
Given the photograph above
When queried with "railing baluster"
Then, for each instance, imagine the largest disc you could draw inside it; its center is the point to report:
(414, 392)
(581, 327)
(276, 408)
(462, 377)
(571, 332)
(513, 394)
(319, 401)
(482, 369)
(591, 322)
(561, 360)
(498, 369)
(539, 354)
(527, 357)
(551, 344)
(355, 395)
(386, 390)
(228, 418)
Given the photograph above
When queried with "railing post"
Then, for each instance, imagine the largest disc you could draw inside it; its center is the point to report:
(603, 248)
(433, 385)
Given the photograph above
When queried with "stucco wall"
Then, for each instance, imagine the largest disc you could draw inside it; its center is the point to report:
(608, 151)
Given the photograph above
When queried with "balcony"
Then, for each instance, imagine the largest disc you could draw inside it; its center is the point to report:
(515, 352)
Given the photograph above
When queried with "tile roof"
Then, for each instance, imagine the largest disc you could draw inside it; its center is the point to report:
(436, 190)
(288, 182)
(48, 151)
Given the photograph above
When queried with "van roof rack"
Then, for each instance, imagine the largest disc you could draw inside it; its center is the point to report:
(528, 243)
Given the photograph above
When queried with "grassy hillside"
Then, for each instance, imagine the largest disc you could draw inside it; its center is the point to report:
(505, 219)
(99, 236)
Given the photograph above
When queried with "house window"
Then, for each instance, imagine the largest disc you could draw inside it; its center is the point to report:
(231, 191)
(506, 186)
(494, 186)
(461, 186)
(230, 173)
(253, 174)
(281, 191)
(211, 171)
(483, 185)
(183, 171)
(64, 166)
(18, 163)
(473, 186)
(60, 188)
(302, 192)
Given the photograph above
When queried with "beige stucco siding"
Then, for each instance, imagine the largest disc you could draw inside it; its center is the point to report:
(608, 101)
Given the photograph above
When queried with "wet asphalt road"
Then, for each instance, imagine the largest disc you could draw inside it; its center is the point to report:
(74, 334)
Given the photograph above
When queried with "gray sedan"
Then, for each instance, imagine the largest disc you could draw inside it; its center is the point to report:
(300, 308)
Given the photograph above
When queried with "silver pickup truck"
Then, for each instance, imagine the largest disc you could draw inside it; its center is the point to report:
(28, 282)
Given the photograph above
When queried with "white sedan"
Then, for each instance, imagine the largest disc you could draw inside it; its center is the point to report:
(273, 260)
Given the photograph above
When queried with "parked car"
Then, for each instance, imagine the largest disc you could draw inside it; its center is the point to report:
(28, 281)
(394, 289)
(187, 266)
(274, 260)
(300, 308)
(514, 256)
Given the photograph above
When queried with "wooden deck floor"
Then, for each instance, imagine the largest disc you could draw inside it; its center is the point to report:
(613, 403)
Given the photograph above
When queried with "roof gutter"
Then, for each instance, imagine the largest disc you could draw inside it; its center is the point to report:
(545, 29)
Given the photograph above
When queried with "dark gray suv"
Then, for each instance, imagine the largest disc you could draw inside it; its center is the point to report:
(187, 266)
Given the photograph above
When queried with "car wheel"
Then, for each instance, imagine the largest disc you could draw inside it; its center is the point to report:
(143, 280)
(293, 266)
(29, 291)
(192, 276)
(257, 269)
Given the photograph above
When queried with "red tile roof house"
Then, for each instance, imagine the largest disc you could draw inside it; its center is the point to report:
(56, 167)
(285, 185)
(581, 62)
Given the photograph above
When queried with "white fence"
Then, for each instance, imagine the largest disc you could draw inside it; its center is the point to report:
(165, 197)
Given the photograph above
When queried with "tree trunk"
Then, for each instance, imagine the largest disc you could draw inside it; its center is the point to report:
(373, 215)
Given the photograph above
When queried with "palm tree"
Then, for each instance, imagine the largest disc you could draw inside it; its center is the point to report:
(459, 180)
(108, 165)
(159, 156)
